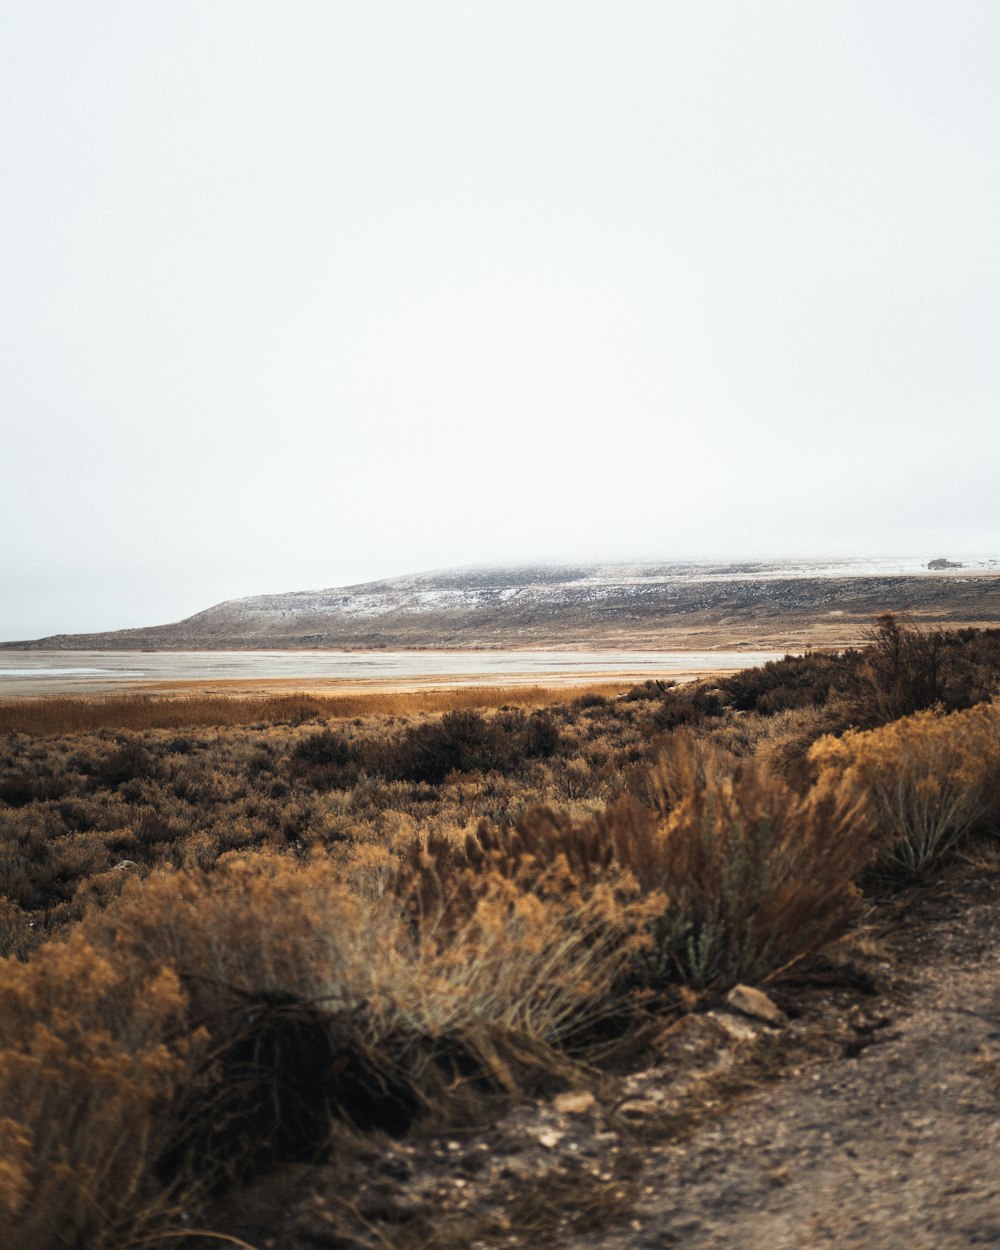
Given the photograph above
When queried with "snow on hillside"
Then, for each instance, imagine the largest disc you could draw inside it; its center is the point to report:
(485, 588)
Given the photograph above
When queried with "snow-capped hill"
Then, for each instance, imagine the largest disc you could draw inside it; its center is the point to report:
(640, 604)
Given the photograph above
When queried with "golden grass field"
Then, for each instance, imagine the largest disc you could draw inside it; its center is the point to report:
(197, 704)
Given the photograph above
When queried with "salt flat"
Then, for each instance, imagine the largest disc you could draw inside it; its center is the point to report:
(54, 672)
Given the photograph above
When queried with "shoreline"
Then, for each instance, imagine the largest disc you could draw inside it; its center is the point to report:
(242, 673)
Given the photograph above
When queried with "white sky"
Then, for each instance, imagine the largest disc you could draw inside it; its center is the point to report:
(301, 294)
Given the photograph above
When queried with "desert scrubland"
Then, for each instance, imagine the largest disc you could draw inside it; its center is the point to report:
(251, 941)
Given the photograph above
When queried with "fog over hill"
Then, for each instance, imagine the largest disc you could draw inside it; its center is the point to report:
(648, 605)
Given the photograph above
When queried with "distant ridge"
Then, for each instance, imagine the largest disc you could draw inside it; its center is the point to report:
(642, 605)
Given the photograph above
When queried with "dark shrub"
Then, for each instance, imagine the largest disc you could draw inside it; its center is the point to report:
(327, 760)
(586, 701)
(463, 742)
(78, 816)
(907, 669)
(180, 746)
(687, 705)
(650, 689)
(324, 747)
(19, 789)
(260, 762)
(130, 762)
(543, 736)
(796, 681)
(270, 1089)
(153, 829)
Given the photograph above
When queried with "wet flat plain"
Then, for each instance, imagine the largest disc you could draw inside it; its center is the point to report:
(25, 673)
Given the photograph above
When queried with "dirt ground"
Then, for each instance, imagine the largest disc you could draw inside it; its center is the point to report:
(868, 1120)
(897, 1145)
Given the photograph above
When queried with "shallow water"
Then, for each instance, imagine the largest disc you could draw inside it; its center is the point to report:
(66, 672)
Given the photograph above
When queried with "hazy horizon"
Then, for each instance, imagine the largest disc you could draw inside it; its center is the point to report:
(305, 296)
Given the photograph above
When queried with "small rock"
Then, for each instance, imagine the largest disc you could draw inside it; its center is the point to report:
(574, 1102)
(755, 1003)
(550, 1138)
(737, 1027)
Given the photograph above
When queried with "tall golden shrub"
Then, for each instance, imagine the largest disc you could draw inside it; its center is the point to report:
(746, 873)
(925, 781)
(757, 876)
(89, 1060)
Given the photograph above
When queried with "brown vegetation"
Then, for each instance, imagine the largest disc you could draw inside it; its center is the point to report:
(234, 944)
(926, 781)
(74, 714)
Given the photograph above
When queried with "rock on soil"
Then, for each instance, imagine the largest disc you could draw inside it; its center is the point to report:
(896, 1148)
(868, 1121)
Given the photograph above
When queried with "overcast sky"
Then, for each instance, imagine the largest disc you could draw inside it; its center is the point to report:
(299, 294)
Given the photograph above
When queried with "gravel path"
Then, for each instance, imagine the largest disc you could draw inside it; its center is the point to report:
(896, 1149)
